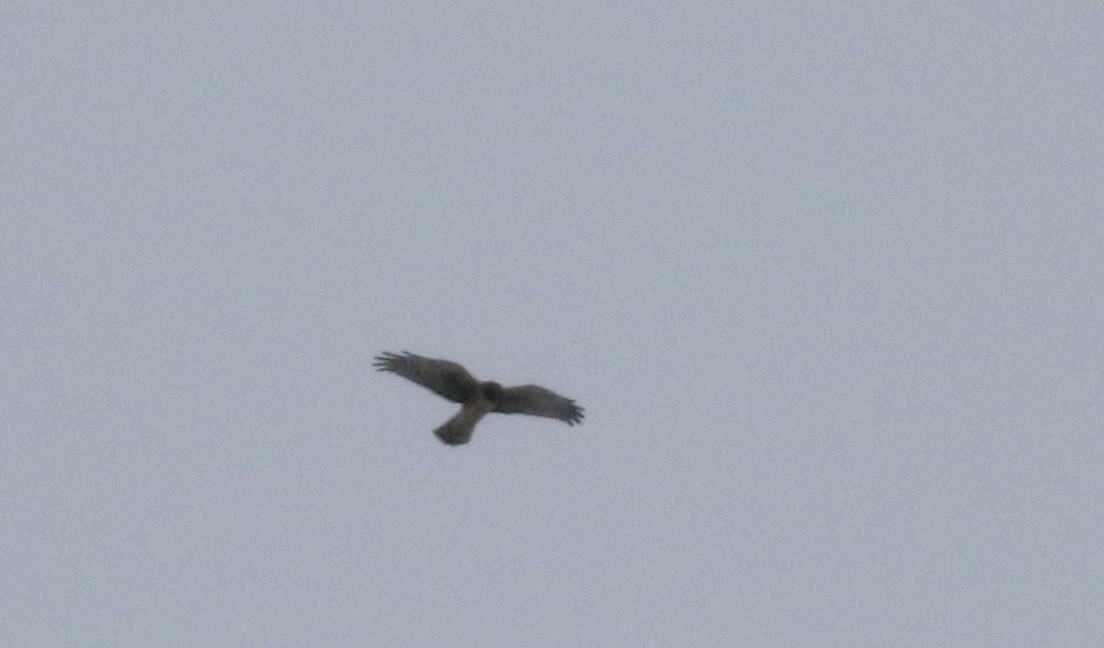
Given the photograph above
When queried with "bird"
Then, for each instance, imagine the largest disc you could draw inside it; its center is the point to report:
(453, 382)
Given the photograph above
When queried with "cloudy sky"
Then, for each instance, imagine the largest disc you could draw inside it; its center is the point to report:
(828, 279)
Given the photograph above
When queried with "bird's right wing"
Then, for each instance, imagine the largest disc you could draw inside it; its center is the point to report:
(446, 379)
(538, 401)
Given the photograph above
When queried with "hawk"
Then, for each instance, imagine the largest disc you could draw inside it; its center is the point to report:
(452, 381)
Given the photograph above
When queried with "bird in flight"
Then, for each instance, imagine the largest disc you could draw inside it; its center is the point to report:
(452, 381)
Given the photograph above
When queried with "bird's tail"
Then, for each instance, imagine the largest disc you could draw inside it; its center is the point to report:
(458, 429)
(453, 434)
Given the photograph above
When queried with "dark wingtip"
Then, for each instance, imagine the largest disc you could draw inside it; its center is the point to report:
(386, 361)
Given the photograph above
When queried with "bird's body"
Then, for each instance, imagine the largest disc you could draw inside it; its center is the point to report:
(450, 380)
(458, 429)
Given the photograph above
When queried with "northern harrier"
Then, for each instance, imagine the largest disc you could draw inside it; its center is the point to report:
(453, 382)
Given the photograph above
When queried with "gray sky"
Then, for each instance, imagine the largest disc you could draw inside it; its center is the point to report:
(827, 279)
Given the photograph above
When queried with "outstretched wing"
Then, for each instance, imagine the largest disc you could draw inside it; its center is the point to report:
(446, 379)
(538, 401)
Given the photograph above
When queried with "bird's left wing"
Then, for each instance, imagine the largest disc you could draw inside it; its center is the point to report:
(447, 379)
(538, 401)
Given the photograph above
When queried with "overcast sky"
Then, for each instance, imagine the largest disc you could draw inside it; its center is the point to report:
(828, 279)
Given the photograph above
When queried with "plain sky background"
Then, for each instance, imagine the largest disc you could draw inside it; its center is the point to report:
(827, 278)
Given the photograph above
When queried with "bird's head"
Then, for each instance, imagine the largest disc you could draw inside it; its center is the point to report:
(491, 391)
